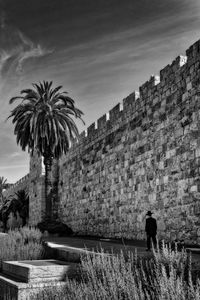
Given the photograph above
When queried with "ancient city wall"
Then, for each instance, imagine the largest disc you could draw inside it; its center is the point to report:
(143, 155)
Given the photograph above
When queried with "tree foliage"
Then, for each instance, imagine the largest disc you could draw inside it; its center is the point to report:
(17, 203)
(44, 123)
(44, 120)
(3, 185)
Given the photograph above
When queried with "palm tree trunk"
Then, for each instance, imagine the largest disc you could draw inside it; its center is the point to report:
(48, 186)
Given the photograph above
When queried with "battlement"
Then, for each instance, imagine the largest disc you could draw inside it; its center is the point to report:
(20, 184)
(193, 52)
(138, 99)
(21, 180)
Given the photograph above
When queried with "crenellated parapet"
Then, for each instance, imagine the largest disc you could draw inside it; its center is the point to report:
(21, 184)
(170, 77)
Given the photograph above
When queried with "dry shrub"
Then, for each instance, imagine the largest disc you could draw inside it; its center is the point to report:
(21, 244)
(165, 276)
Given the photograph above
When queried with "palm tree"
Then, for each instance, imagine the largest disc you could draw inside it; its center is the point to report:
(3, 185)
(4, 213)
(44, 122)
(19, 203)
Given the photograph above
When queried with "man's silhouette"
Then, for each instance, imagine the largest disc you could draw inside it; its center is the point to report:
(151, 230)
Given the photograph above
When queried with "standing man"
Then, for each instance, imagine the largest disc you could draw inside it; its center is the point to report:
(151, 230)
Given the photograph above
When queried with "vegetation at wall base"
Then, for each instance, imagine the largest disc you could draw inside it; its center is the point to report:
(167, 275)
(55, 227)
(21, 244)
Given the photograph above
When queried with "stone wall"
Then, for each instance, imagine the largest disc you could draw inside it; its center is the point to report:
(36, 190)
(21, 184)
(143, 155)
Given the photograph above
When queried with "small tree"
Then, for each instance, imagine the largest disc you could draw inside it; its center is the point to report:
(3, 186)
(18, 203)
(4, 213)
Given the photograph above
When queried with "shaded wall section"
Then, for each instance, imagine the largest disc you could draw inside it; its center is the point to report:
(36, 190)
(143, 155)
(37, 206)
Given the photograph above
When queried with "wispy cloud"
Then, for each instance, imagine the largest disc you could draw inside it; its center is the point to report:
(15, 50)
(32, 51)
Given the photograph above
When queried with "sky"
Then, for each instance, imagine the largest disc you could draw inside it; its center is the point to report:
(100, 51)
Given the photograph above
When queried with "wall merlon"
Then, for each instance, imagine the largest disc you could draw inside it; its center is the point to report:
(164, 73)
(130, 100)
(82, 135)
(170, 71)
(101, 122)
(193, 52)
(115, 112)
(148, 87)
(178, 63)
(91, 130)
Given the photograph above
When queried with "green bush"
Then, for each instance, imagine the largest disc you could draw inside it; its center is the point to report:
(128, 277)
(55, 227)
(21, 244)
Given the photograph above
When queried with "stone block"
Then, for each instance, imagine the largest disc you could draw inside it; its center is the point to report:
(36, 270)
(15, 290)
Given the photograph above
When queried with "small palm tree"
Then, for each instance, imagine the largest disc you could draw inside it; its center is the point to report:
(4, 213)
(3, 185)
(19, 203)
(44, 123)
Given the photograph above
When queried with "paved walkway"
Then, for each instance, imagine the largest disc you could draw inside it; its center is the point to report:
(82, 244)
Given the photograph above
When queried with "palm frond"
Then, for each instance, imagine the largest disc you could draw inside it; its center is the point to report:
(44, 120)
